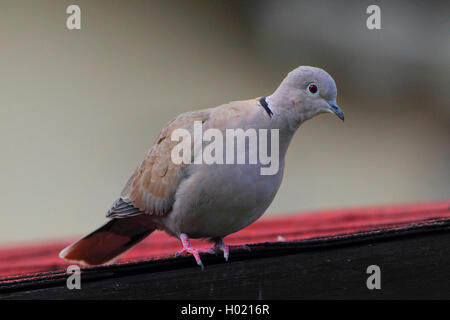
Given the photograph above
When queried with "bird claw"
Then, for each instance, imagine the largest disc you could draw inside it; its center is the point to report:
(221, 246)
(189, 250)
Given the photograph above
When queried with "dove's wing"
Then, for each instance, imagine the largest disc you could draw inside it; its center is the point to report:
(152, 187)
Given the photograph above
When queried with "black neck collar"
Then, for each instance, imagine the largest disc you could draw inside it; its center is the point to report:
(266, 107)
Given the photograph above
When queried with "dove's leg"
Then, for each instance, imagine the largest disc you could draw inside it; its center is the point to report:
(188, 249)
(220, 245)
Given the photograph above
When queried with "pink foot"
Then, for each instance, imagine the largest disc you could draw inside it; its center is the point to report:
(221, 246)
(188, 249)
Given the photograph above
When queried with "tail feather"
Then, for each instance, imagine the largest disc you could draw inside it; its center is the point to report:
(110, 241)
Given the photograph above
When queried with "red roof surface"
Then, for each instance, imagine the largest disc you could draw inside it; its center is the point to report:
(43, 257)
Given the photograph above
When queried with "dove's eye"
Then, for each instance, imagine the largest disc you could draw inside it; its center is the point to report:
(313, 89)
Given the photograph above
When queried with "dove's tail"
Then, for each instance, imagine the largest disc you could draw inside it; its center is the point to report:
(110, 241)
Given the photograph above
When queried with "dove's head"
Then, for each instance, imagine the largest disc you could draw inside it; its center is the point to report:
(305, 93)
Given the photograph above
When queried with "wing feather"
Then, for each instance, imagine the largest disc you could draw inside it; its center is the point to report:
(152, 187)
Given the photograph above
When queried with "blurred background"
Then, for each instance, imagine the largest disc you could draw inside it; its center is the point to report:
(80, 108)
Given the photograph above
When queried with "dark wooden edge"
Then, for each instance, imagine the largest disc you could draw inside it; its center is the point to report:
(258, 251)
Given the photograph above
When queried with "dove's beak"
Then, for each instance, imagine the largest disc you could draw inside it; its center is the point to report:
(334, 108)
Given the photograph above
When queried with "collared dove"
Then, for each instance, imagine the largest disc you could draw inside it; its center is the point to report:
(199, 200)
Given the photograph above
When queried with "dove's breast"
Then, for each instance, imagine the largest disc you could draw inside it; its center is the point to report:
(217, 200)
